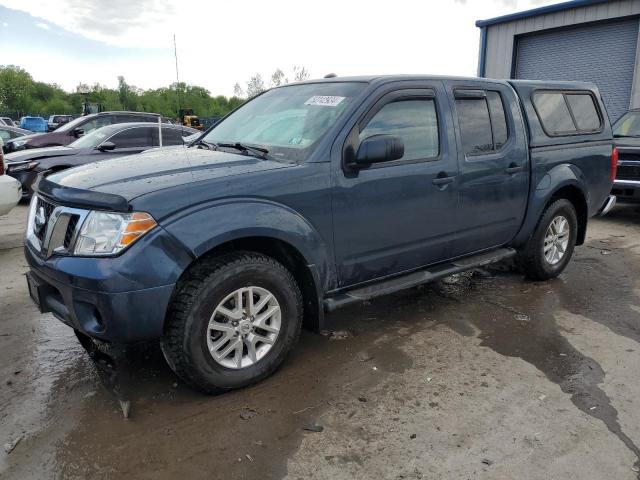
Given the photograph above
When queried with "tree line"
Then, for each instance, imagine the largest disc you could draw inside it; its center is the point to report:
(21, 95)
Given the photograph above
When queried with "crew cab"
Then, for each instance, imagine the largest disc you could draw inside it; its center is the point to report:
(309, 197)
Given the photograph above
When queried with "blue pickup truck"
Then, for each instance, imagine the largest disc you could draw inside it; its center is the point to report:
(310, 197)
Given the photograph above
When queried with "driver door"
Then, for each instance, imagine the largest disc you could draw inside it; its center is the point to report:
(399, 215)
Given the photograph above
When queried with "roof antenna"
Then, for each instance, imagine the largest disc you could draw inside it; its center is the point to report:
(330, 75)
(175, 54)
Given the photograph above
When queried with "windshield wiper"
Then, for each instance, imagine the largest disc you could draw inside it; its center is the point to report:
(205, 144)
(256, 151)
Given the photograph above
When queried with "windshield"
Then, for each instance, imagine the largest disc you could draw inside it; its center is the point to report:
(90, 140)
(628, 125)
(287, 121)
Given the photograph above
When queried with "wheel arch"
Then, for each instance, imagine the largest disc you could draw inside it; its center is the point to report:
(578, 199)
(562, 181)
(305, 273)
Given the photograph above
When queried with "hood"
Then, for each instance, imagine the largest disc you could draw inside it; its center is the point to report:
(136, 175)
(25, 137)
(37, 153)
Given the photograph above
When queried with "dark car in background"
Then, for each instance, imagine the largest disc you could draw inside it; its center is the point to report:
(8, 133)
(108, 142)
(56, 121)
(626, 133)
(34, 124)
(71, 131)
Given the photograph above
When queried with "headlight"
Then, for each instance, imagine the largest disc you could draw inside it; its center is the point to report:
(106, 233)
(18, 143)
(21, 167)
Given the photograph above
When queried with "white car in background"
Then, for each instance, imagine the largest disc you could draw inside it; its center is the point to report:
(10, 188)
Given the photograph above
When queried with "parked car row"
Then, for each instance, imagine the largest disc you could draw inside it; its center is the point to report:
(71, 131)
(111, 141)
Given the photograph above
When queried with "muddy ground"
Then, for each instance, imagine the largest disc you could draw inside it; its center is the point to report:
(477, 376)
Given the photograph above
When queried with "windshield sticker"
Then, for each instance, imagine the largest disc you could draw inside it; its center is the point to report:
(325, 100)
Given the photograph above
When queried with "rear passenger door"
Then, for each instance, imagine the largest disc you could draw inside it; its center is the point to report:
(397, 215)
(493, 164)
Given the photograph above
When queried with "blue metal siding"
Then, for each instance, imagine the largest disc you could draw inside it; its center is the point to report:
(602, 53)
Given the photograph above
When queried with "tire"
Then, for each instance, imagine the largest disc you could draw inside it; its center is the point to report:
(189, 336)
(535, 264)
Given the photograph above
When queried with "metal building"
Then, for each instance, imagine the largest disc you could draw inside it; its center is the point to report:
(590, 40)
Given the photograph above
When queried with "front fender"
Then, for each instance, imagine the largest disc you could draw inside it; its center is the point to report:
(205, 227)
(558, 177)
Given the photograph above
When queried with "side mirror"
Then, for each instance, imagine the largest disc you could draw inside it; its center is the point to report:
(78, 132)
(107, 147)
(379, 148)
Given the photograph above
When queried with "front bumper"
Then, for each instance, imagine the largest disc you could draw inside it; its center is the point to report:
(117, 299)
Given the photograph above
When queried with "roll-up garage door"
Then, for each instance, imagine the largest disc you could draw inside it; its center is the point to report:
(602, 53)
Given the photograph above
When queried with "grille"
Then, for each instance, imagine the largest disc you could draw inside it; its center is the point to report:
(47, 208)
(55, 227)
(71, 229)
(628, 172)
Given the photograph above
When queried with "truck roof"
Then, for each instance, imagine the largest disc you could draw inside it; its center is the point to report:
(382, 79)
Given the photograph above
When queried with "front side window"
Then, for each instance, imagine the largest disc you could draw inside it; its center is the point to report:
(132, 138)
(567, 113)
(92, 139)
(414, 121)
(170, 136)
(287, 121)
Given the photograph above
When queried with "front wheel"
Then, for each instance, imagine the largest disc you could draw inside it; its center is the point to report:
(233, 321)
(551, 246)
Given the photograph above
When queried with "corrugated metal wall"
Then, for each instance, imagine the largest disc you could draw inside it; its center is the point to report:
(602, 53)
(501, 37)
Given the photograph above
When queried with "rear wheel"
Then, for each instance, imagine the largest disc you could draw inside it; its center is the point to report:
(233, 321)
(551, 246)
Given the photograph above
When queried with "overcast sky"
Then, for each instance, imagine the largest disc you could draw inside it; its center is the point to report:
(224, 42)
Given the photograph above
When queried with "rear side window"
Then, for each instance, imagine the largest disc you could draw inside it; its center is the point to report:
(567, 113)
(475, 125)
(415, 121)
(483, 123)
(584, 111)
(498, 119)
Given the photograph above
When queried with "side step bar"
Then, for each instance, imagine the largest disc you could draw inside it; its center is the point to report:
(416, 278)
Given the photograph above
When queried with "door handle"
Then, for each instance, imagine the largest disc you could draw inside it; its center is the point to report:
(439, 181)
(514, 168)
